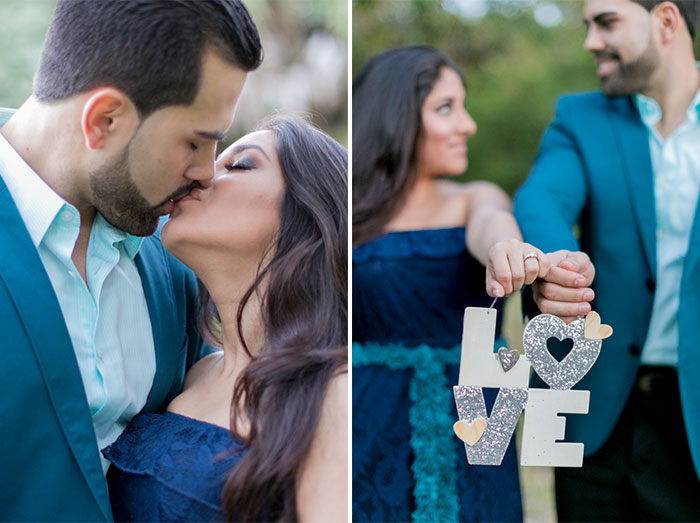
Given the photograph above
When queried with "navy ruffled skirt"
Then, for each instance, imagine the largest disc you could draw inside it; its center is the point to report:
(409, 292)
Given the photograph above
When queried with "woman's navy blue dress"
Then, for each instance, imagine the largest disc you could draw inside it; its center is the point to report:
(167, 467)
(409, 292)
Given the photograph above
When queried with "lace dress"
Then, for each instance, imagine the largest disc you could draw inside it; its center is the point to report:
(409, 292)
(167, 467)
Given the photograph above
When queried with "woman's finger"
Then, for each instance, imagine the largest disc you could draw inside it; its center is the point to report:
(517, 268)
(532, 266)
(493, 288)
(499, 271)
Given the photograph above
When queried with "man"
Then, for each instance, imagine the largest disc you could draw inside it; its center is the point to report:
(129, 101)
(624, 164)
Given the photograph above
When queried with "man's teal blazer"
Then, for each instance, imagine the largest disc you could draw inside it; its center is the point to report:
(594, 168)
(49, 463)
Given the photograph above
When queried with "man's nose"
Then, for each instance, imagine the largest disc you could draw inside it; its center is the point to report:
(593, 41)
(202, 168)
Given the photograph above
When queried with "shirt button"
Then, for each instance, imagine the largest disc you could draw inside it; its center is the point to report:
(651, 285)
(66, 216)
(100, 354)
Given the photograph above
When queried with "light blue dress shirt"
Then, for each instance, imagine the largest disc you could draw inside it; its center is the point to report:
(675, 163)
(107, 319)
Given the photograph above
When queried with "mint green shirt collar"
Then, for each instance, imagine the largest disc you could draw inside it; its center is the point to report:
(650, 111)
(39, 205)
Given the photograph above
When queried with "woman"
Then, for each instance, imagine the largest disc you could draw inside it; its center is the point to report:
(421, 244)
(259, 431)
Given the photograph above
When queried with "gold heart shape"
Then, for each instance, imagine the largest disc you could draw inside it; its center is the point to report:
(470, 433)
(593, 330)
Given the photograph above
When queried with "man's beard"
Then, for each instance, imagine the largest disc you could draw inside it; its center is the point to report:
(631, 77)
(116, 197)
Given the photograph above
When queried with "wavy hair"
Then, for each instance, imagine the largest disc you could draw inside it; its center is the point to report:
(304, 310)
(387, 97)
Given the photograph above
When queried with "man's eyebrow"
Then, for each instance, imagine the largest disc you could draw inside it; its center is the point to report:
(242, 147)
(211, 135)
(596, 18)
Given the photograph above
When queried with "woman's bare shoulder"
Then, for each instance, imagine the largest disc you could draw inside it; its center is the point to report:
(455, 200)
(463, 191)
(322, 487)
(201, 368)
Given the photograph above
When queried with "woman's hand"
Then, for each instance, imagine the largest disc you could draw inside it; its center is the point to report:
(512, 264)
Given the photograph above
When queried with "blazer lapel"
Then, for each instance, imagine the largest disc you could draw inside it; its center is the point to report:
(692, 258)
(632, 142)
(45, 327)
(158, 289)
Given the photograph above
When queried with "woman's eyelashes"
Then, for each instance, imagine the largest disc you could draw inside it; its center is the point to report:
(242, 164)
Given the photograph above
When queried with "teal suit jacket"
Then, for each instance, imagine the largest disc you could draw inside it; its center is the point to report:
(49, 463)
(594, 169)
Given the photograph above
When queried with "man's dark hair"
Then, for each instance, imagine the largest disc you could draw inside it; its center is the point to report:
(152, 50)
(688, 9)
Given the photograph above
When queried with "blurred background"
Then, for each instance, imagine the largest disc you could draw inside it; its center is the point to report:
(518, 56)
(305, 70)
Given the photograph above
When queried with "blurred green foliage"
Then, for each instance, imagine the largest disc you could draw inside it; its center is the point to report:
(22, 27)
(515, 69)
(330, 15)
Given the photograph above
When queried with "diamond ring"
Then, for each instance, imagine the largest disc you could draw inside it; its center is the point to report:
(530, 255)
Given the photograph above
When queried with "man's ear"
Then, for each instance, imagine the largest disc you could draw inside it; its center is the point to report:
(108, 116)
(670, 19)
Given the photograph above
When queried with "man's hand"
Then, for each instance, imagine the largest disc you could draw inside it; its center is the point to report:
(565, 291)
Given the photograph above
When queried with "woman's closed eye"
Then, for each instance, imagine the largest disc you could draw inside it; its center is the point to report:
(242, 164)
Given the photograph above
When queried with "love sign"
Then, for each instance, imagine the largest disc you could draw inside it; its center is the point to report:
(564, 374)
(486, 438)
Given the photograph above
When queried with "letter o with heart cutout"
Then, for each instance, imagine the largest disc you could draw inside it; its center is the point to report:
(564, 374)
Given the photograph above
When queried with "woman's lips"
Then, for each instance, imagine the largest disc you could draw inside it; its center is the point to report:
(194, 194)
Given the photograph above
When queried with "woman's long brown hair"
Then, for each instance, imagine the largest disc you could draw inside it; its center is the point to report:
(387, 98)
(304, 309)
